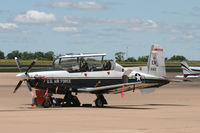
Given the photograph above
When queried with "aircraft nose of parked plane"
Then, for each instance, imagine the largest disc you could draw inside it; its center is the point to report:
(21, 75)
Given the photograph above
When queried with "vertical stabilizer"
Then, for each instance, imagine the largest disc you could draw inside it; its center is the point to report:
(156, 61)
(186, 69)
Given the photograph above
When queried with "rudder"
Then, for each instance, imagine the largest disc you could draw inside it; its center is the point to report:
(156, 61)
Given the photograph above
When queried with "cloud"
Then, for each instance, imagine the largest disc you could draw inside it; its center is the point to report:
(71, 20)
(138, 25)
(88, 5)
(66, 29)
(8, 26)
(171, 38)
(132, 25)
(188, 37)
(61, 5)
(91, 5)
(33, 16)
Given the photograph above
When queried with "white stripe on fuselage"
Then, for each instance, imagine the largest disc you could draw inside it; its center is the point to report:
(97, 74)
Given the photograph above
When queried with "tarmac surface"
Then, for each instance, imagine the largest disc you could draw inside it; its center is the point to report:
(174, 108)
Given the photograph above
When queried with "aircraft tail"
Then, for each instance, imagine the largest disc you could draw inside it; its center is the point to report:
(156, 61)
(186, 69)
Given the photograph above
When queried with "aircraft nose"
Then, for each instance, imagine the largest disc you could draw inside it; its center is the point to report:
(21, 75)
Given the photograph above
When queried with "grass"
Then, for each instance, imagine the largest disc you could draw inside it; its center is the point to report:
(24, 62)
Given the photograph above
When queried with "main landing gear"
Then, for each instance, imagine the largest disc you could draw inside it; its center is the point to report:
(100, 101)
(70, 100)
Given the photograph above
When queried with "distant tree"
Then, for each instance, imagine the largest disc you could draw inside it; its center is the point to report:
(27, 56)
(49, 55)
(131, 59)
(2, 55)
(14, 54)
(39, 55)
(143, 58)
(177, 58)
(119, 56)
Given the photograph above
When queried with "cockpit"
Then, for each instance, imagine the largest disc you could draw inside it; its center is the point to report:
(83, 63)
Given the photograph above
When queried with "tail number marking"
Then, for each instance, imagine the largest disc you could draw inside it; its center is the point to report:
(58, 81)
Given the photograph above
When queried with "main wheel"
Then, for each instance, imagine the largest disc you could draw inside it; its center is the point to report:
(75, 101)
(46, 103)
(99, 103)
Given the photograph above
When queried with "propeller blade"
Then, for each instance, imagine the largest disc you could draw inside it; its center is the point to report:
(18, 64)
(29, 68)
(29, 88)
(28, 85)
(18, 85)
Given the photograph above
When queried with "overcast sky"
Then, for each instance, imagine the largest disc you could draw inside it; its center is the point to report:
(102, 26)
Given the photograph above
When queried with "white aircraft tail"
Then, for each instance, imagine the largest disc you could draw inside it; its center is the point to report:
(186, 69)
(156, 61)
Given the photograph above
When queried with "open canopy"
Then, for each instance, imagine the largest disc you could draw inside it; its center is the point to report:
(82, 62)
(82, 55)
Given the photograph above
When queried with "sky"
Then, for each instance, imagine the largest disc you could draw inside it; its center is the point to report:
(101, 26)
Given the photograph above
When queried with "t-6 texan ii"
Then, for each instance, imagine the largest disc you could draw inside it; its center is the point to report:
(90, 73)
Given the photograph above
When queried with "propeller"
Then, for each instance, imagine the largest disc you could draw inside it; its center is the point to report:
(26, 74)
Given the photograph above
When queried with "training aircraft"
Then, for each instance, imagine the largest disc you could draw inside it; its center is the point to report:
(90, 73)
(188, 73)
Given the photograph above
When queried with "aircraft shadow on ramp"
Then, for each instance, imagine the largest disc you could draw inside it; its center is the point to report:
(166, 105)
(127, 107)
(156, 105)
(27, 107)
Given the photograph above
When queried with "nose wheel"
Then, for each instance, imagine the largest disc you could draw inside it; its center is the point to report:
(100, 101)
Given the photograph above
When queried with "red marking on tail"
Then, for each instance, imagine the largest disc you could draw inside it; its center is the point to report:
(157, 49)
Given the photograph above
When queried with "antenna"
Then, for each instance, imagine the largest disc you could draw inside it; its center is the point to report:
(126, 52)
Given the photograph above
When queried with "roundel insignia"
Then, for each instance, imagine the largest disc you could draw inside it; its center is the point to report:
(85, 74)
(108, 73)
(138, 77)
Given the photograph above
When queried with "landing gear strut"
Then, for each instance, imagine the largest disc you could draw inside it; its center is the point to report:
(100, 101)
(47, 102)
(70, 100)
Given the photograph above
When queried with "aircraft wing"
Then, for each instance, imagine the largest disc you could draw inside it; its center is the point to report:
(114, 89)
(188, 77)
(178, 78)
(195, 68)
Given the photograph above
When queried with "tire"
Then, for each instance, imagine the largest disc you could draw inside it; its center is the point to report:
(75, 101)
(47, 104)
(99, 103)
(35, 101)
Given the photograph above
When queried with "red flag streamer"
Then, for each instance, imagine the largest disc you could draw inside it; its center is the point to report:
(46, 92)
(123, 91)
(56, 89)
(32, 93)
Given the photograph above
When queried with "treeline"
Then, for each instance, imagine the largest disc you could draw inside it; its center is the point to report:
(28, 55)
(119, 56)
